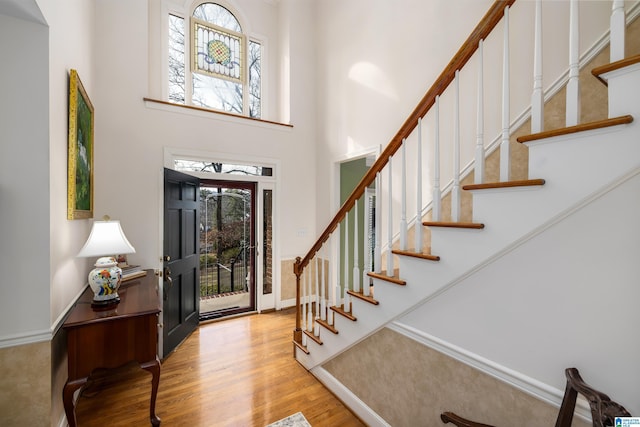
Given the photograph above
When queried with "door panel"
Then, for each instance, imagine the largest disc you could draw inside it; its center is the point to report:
(181, 258)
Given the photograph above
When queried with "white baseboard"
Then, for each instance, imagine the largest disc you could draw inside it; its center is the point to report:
(287, 303)
(365, 413)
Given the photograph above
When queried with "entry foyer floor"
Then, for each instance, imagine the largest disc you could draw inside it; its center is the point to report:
(236, 372)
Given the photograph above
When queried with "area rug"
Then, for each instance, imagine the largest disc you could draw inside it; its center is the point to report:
(295, 420)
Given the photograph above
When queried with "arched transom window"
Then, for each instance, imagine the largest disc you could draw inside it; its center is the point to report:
(224, 66)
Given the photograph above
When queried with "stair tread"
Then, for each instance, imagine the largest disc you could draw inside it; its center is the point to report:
(504, 184)
(598, 71)
(598, 124)
(364, 297)
(416, 255)
(313, 337)
(326, 325)
(393, 279)
(301, 347)
(341, 311)
(451, 224)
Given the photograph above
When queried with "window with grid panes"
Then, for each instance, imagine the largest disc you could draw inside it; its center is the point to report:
(212, 63)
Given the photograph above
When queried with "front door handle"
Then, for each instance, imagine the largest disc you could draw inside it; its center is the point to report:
(169, 280)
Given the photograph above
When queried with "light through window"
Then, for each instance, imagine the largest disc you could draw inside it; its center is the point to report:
(224, 67)
(219, 167)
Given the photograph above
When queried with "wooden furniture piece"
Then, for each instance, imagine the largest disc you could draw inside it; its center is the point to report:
(603, 409)
(112, 338)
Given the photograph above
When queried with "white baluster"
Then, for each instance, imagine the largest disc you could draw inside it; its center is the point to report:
(377, 262)
(331, 285)
(403, 198)
(618, 27)
(418, 224)
(304, 308)
(356, 249)
(455, 191)
(345, 289)
(337, 302)
(309, 300)
(331, 297)
(437, 195)
(573, 86)
(390, 223)
(323, 293)
(366, 266)
(316, 326)
(479, 164)
(537, 97)
(505, 161)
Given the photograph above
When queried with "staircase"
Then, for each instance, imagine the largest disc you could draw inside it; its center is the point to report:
(599, 155)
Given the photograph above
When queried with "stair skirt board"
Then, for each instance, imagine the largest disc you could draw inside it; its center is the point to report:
(528, 385)
(351, 401)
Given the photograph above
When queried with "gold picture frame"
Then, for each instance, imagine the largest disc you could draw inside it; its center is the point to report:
(80, 157)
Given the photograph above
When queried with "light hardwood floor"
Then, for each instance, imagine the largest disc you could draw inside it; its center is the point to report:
(237, 372)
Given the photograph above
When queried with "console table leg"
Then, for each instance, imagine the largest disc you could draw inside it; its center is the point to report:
(67, 398)
(154, 368)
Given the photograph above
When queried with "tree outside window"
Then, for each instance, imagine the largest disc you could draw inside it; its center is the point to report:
(211, 88)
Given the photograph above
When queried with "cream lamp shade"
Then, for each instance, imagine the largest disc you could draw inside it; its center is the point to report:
(105, 241)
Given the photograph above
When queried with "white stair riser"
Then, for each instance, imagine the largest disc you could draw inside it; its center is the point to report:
(624, 91)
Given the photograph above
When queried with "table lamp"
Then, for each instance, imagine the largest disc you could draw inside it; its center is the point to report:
(105, 241)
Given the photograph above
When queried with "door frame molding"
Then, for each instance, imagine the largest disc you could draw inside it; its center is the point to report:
(170, 154)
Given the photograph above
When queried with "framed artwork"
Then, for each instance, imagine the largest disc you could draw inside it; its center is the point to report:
(80, 158)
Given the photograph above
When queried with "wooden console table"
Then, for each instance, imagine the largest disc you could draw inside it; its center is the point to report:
(112, 338)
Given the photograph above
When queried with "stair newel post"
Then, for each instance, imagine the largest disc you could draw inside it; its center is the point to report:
(573, 86)
(309, 300)
(316, 325)
(479, 163)
(356, 249)
(505, 161)
(297, 333)
(390, 222)
(437, 195)
(345, 289)
(377, 262)
(537, 97)
(418, 224)
(617, 31)
(455, 191)
(403, 197)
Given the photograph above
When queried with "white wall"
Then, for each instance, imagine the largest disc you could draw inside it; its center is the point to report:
(39, 244)
(131, 136)
(71, 46)
(377, 60)
(24, 178)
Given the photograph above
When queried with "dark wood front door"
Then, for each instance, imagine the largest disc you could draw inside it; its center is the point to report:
(181, 277)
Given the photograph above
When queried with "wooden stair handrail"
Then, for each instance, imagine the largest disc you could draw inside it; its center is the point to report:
(469, 47)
